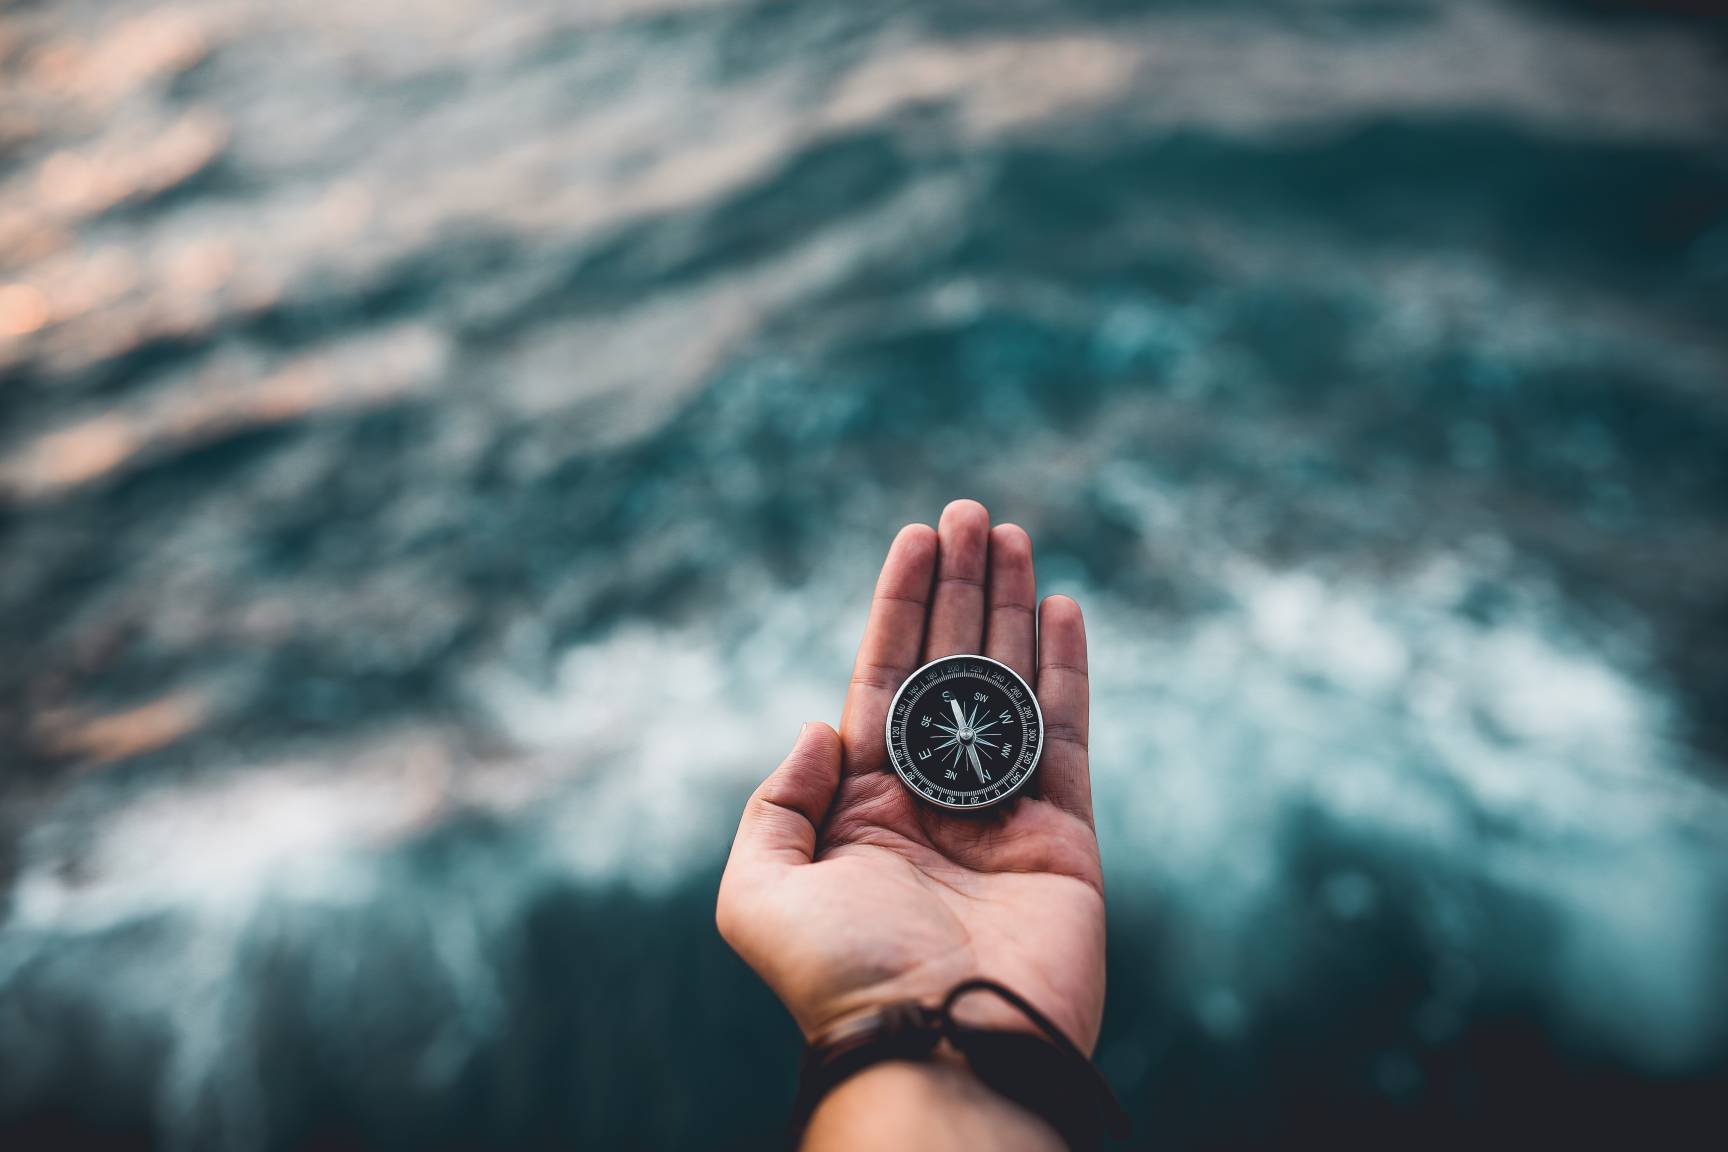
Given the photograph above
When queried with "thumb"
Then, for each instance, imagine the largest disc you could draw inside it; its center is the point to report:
(781, 819)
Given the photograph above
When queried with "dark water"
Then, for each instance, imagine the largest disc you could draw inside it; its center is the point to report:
(406, 408)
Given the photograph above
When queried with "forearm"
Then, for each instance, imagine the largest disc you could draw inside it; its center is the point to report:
(936, 1106)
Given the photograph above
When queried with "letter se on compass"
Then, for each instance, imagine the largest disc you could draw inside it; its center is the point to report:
(964, 732)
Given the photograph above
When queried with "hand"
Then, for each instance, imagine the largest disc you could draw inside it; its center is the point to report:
(844, 892)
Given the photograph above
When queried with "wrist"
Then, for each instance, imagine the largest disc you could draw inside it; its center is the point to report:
(979, 1081)
(937, 1104)
(838, 1015)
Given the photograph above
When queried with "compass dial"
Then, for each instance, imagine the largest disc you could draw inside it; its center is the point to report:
(965, 732)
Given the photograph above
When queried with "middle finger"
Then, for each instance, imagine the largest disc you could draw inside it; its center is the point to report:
(957, 605)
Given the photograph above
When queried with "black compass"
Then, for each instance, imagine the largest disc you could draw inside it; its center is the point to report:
(965, 732)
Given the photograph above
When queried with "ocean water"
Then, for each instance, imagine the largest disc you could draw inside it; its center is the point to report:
(446, 449)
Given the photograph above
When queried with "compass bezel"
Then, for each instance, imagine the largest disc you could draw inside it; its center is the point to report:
(918, 784)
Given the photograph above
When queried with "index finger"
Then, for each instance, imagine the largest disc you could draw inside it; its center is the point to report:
(889, 653)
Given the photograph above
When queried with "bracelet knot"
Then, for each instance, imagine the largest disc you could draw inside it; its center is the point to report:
(1044, 1072)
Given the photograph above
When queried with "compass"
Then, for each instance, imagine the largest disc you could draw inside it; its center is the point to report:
(965, 732)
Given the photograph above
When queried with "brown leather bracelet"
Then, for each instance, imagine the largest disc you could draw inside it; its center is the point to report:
(1045, 1074)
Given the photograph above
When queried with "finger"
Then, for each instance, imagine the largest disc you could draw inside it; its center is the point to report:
(1010, 635)
(957, 604)
(781, 818)
(1063, 776)
(892, 640)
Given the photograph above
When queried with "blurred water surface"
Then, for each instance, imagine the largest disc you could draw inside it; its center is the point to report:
(445, 451)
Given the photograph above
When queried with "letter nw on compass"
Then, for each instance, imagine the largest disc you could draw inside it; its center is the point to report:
(964, 732)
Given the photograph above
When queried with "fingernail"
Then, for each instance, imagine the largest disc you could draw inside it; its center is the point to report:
(803, 728)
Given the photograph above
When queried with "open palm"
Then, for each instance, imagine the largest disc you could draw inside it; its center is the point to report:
(844, 891)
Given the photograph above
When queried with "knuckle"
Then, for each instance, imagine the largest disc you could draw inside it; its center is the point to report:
(878, 676)
(1062, 732)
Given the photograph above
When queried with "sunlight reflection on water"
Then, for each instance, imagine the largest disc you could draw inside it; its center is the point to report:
(447, 451)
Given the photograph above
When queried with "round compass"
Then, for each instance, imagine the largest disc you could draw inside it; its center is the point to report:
(965, 732)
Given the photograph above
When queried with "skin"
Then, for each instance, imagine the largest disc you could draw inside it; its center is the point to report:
(845, 892)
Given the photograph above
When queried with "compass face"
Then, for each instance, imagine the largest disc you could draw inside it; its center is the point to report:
(965, 732)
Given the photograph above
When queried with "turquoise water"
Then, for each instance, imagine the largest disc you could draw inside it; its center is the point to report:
(408, 407)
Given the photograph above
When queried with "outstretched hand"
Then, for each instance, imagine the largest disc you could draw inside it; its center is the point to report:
(844, 891)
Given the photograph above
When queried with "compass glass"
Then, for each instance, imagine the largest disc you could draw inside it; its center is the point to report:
(964, 732)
